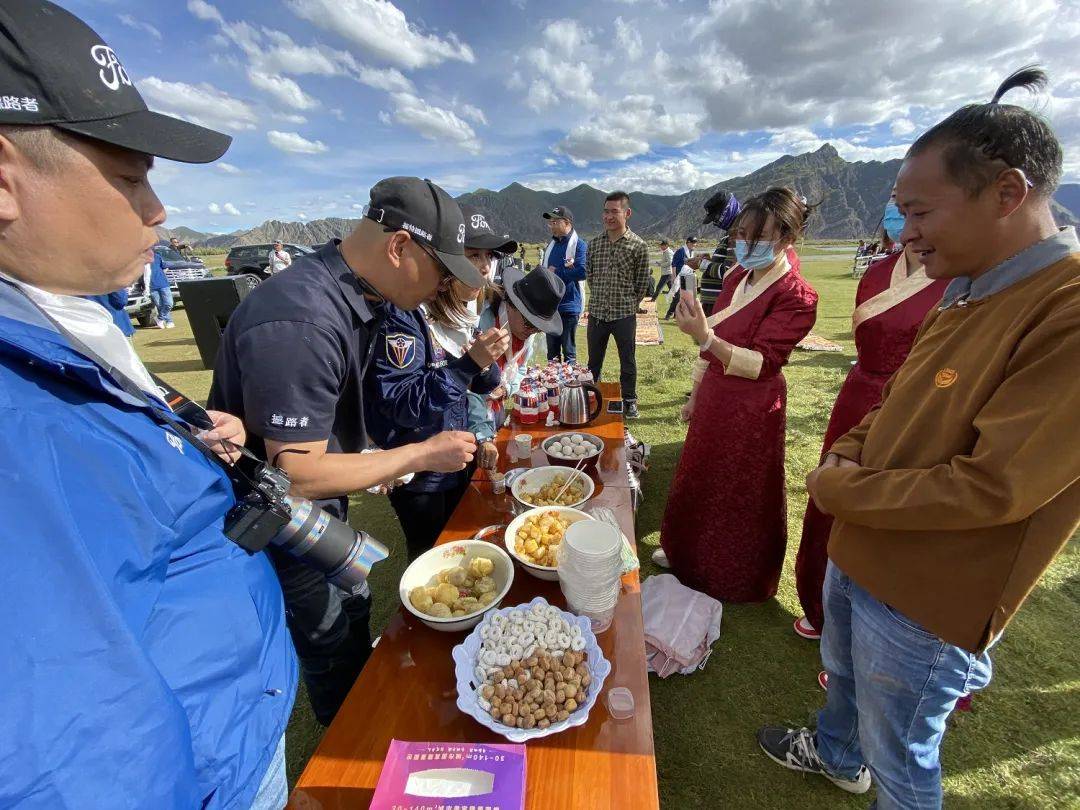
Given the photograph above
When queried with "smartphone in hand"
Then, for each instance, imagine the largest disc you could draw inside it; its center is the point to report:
(688, 289)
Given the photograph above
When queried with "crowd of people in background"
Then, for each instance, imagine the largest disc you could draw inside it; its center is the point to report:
(164, 670)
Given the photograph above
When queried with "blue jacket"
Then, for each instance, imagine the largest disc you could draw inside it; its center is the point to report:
(144, 657)
(415, 389)
(679, 259)
(114, 304)
(158, 279)
(572, 276)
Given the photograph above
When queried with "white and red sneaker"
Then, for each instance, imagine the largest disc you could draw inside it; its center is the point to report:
(804, 629)
(823, 680)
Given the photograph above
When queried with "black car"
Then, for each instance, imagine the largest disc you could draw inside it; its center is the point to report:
(254, 259)
(177, 268)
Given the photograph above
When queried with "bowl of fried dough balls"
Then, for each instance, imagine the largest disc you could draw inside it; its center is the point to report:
(450, 587)
(541, 486)
(533, 538)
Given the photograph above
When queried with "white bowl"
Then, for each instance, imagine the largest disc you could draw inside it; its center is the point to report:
(425, 568)
(532, 480)
(548, 572)
(466, 655)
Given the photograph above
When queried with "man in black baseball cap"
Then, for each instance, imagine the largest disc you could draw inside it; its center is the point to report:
(56, 71)
(292, 363)
(560, 212)
(161, 672)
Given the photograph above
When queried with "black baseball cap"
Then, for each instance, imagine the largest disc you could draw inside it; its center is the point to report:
(430, 215)
(691, 239)
(560, 212)
(56, 71)
(479, 234)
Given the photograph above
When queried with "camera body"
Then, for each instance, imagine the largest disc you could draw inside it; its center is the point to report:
(262, 508)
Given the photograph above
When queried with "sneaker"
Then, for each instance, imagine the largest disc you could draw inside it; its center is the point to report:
(161, 324)
(660, 558)
(170, 325)
(823, 680)
(632, 410)
(794, 748)
(804, 629)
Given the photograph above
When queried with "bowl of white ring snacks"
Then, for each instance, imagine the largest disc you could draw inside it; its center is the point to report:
(529, 671)
(451, 586)
(572, 449)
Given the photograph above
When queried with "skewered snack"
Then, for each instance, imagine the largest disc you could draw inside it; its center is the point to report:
(547, 494)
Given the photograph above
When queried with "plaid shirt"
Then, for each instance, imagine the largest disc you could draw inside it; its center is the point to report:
(618, 275)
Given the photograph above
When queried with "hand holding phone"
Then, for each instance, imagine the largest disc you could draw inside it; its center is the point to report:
(688, 289)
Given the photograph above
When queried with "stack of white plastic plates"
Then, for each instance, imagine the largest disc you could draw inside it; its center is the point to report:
(590, 567)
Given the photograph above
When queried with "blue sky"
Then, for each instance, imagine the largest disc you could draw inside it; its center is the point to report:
(325, 97)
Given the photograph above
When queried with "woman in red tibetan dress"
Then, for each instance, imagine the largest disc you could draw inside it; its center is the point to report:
(890, 305)
(725, 524)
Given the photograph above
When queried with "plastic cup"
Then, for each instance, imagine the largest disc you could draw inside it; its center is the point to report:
(523, 445)
(592, 539)
(498, 482)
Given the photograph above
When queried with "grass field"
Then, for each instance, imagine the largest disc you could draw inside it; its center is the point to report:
(1020, 746)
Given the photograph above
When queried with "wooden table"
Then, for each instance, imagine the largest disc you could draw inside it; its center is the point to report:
(408, 690)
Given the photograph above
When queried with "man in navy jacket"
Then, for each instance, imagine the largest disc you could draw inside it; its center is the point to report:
(146, 662)
(565, 257)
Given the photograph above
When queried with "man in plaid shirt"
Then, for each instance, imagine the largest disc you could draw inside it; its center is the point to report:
(617, 269)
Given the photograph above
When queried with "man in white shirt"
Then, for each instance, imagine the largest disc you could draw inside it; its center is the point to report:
(278, 259)
(667, 274)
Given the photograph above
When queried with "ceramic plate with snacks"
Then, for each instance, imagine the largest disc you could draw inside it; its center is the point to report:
(530, 671)
(451, 586)
(541, 485)
(533, 538)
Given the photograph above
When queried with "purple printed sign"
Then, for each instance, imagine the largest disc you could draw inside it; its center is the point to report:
(451, 776)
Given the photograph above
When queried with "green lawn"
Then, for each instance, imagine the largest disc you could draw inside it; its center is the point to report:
(1019, 748)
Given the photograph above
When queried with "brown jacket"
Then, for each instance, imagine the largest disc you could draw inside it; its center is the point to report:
(970, 476)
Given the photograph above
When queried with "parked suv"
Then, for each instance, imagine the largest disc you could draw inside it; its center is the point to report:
(254, 259)
(177, 269)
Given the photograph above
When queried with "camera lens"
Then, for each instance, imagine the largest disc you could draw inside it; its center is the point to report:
(329, 545)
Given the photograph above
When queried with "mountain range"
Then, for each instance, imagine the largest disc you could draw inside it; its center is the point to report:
(850, 198)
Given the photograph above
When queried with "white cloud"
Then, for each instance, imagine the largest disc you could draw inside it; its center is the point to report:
(356, 207)
(172, 209)
(282, 89)
(214, 208)
(205, 11)
(664, 177)
(541, 96)
(231, 209)
(301, 215)
(628, 39)
(294, 142)
(474, 114)
(433, 123)
(202, 104)
(389, 79)
(385, 118)
(900, 127)
(139, 25)
(550, 161)
(381, 29)
(226, 168)
(557, 77)
(289, 118)
(627, 128)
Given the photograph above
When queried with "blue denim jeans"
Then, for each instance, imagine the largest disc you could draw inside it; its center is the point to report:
(892, 686)
(163, 302)
(565, 344)
(274, 790)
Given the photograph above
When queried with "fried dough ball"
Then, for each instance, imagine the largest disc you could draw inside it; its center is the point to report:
(457, 576)
(420, 599)
(447, 594)
(480, 567)
(439, 610)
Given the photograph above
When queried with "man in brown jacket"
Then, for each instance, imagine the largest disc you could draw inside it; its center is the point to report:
(954, 495)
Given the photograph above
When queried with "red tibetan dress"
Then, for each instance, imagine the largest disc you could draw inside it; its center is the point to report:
(725, 524)
(890, 306)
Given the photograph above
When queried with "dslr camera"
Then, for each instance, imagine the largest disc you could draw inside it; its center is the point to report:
(265, 514)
